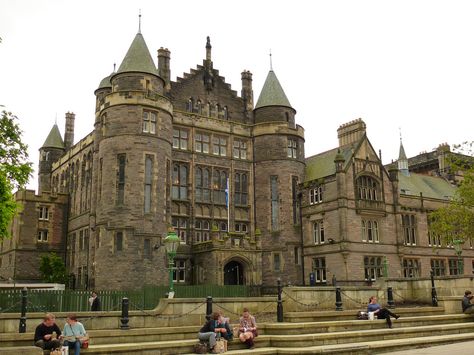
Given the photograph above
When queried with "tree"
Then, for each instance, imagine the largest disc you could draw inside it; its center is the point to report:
(52, 269)
(15, 170)
(455, 221)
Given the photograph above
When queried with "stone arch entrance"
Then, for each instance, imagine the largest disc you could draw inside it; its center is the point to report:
(233, 273)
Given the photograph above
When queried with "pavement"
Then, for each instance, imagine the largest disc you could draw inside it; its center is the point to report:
(463, 348)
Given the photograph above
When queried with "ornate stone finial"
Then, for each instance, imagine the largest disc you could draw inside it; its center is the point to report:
(114, 66)
(208, 49)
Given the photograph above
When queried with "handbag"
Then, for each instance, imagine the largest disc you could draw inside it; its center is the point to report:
(362, 315)
(85, 344)
(200, 348)
(221, 346)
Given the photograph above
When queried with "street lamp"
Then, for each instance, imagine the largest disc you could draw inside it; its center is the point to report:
(458, 249)
(171, 244)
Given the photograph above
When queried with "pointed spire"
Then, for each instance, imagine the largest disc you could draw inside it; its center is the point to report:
(54, 139)
(138, 58)
(272, 93)
(402, 159)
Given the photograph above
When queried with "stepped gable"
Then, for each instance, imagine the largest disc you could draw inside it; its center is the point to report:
(204, 83)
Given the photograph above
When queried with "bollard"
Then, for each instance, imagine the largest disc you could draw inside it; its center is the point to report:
(279, 303)
(22, 327)
(124, 320)
(434, 296)
(338, 299)
(208, 307)
(390, 302)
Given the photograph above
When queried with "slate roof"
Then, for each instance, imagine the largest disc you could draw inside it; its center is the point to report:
(430, 186)
(54, 139)
(272, 93)
(105, 83)
(138, 58)
(322, 164)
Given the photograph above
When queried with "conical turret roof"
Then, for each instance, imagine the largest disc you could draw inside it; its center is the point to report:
(272, 93)
(138, 58)
(401, 153)
(54, 139)
(105, 83)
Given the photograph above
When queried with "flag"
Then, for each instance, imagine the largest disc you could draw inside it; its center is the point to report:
(227, 194)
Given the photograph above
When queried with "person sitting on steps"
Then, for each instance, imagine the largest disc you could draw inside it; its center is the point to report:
(223, 322)
(47, 332)
(381, 313)
(247, 329)
(467, 306)
(210, 330)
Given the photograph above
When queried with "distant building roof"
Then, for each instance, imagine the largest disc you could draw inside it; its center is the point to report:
(272, 93)
(54, 139)
(429, 186)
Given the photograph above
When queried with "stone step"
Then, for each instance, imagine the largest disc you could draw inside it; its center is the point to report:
(320, 316)
(348, 325)
(300, 341)
(363, 348)
(118, 336)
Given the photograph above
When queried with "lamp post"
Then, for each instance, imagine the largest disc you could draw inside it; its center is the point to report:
(171, 244)
(458, 249)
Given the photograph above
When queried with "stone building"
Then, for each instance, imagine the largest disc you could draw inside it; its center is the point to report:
(229, 176)
(363, 221)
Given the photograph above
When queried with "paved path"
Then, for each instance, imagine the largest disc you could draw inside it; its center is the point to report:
(465, 348)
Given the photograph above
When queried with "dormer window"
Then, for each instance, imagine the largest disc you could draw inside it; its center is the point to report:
(368, 188)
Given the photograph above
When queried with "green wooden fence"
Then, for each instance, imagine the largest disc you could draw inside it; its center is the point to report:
(146, 298)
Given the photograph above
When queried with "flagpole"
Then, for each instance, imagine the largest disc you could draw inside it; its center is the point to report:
(228, 206)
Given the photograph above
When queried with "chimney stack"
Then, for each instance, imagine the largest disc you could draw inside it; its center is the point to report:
(69, 130)
(351, 132)
(247, 92)
(164, 70)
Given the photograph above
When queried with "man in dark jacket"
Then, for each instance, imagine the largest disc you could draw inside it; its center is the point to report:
(47, 333)
(467, 306)
(95, 302)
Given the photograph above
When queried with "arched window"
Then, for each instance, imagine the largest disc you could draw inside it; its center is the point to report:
(240, 189)
(226, 113)
(180, 182)
(189, 105)
(368, 188)
(199, 107)
(203, 188)
(220, 186)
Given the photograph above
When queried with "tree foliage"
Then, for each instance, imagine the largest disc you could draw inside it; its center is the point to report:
(52, 269)
(455, 221)
(15, 169)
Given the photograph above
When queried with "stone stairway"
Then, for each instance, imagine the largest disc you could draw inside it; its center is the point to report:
(325, 332)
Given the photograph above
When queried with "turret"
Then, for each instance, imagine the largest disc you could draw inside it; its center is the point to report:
(279, 168)
(272, 104)
(132, 156)
(51, 150)
(137, 71)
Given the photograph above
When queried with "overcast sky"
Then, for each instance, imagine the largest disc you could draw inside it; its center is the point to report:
(405, 65)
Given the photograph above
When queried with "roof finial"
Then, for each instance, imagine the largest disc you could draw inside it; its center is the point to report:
(139, 21)
(114, 66)
(56, 119)
(208, 49)
(271, 64)
(400, 130)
